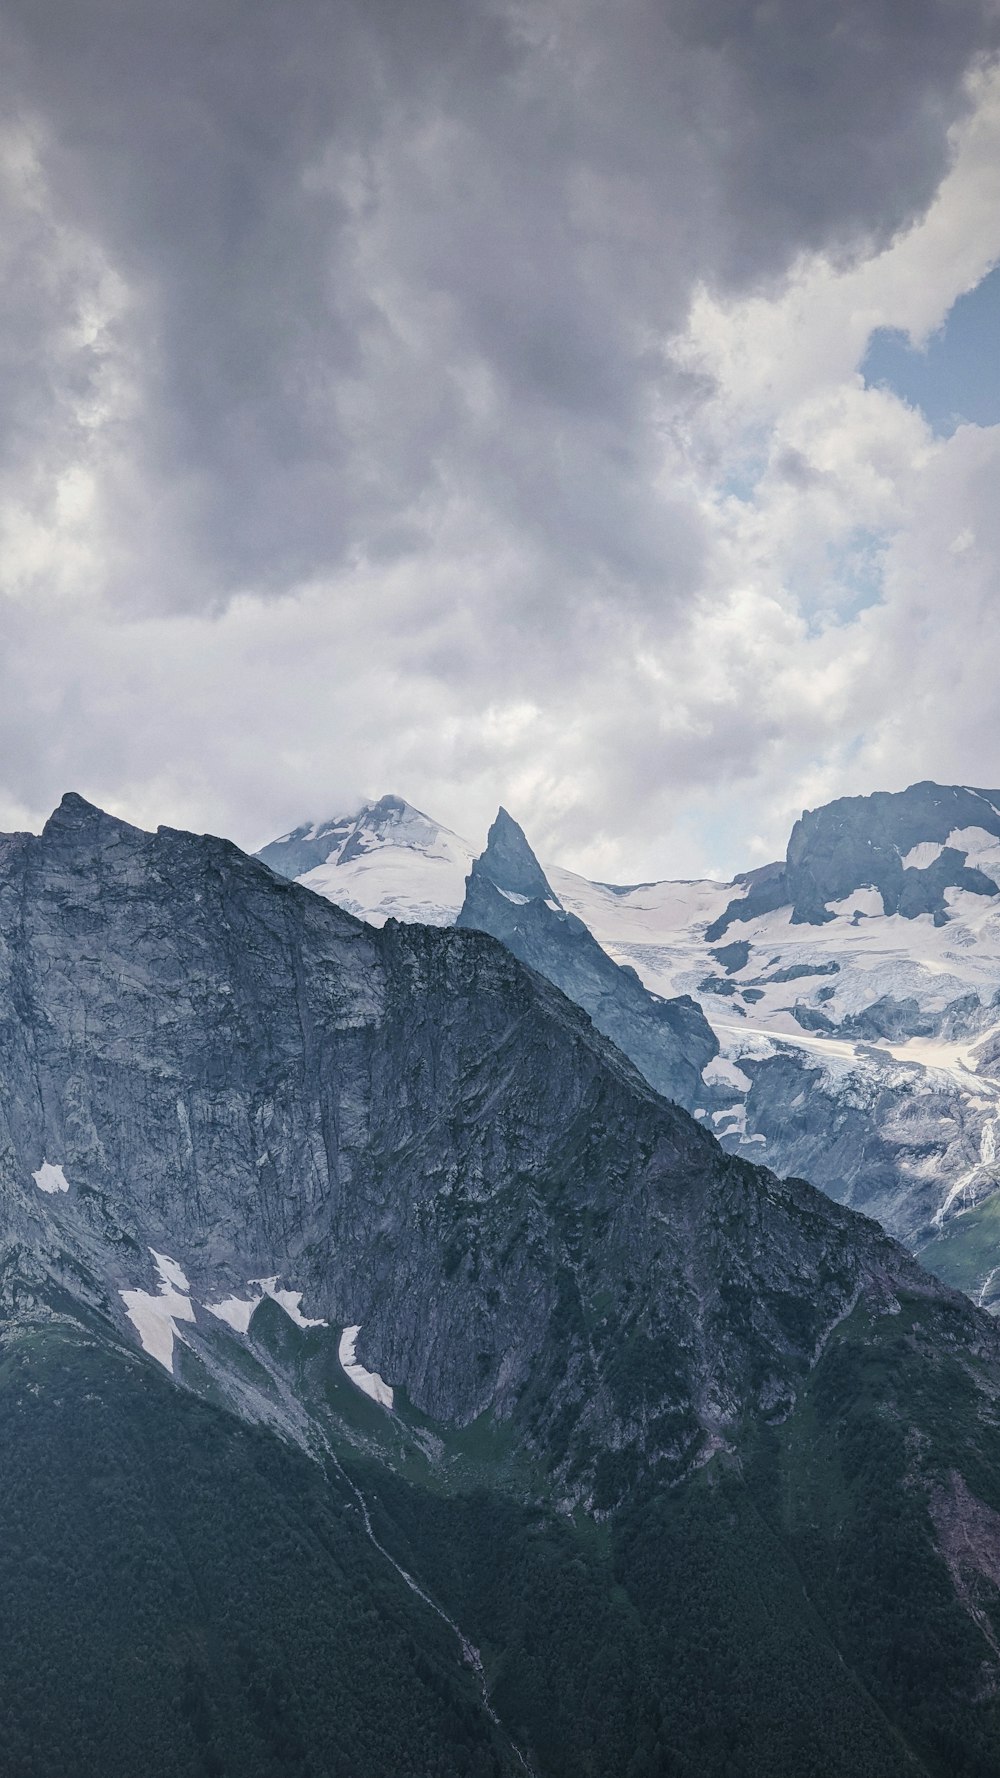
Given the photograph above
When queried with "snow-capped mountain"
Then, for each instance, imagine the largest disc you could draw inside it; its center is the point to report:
(383, 861)
(854, 990)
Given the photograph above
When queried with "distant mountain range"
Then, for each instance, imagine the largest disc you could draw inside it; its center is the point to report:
(850, 996)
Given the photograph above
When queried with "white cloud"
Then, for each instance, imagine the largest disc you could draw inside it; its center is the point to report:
(774, 349)
(404, 491)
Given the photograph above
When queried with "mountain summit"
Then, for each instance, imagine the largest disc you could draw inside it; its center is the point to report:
(510, 865)
(508, 895)
(909, 847)
(384, 861)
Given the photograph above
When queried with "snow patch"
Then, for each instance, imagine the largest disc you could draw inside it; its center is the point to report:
(720, 1072)
(368, 1381)
(288, 1300)
(921, 857)
(170, 1272)
(236, 1310)
(866, 901)
(155, 1318)
(981, 848)
(734, 1118)
(50, 1178)
(519, 901)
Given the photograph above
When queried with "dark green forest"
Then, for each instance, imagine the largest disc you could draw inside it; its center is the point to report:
(187, 1595)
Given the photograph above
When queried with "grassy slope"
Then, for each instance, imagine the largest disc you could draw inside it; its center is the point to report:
(967, 1252)
(789, 1617)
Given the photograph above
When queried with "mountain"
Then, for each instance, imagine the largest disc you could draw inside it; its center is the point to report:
(394, 1382)
(854, 992)
(908, 847)
(385, 861)
(508, 895)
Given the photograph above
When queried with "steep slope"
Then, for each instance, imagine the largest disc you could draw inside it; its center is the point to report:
(670, 1041)
(701, 1461)
(854, 991)
(398, 1130)
(387, 861)
(188, 1596)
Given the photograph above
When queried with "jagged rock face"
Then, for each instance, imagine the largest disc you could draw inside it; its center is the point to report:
(854, 992)
(910, 846)
(406, 1126)
(508, 895)
(860, 1036)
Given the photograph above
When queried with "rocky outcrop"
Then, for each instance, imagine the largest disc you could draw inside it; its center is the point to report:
(508, 895)
(862, 842)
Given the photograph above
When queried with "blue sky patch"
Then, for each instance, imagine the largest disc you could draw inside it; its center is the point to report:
(956, 377)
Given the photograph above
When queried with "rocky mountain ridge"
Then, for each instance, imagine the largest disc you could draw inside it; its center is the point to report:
(854, 993)
(669, 1040)
(219, 1089)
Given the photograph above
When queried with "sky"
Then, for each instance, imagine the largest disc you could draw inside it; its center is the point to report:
(591, 409)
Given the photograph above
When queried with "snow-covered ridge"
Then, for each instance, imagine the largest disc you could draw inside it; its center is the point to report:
(386, 861)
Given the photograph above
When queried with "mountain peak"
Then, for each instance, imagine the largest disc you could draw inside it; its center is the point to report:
(74, 816)
(908, 846)
(383, 860)
(509, 862)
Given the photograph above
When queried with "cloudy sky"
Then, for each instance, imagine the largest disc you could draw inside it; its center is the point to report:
(590, 407)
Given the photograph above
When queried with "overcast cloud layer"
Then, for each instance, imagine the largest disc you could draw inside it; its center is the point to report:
(464, 400)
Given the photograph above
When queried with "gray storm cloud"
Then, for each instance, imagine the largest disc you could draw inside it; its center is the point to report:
(307, 291)
(386, 255)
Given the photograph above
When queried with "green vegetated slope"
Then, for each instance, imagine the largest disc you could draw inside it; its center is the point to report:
(966, 1252)
(791, 1613)
(185, 1594)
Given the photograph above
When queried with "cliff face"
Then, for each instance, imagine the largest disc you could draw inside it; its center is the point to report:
(405, 1126)
(910, 845)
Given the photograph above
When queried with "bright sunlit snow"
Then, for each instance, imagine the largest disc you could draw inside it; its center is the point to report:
(369, 1381)
(403, 866)
(50, 1178)
(154, 1317)
(170, 1272)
